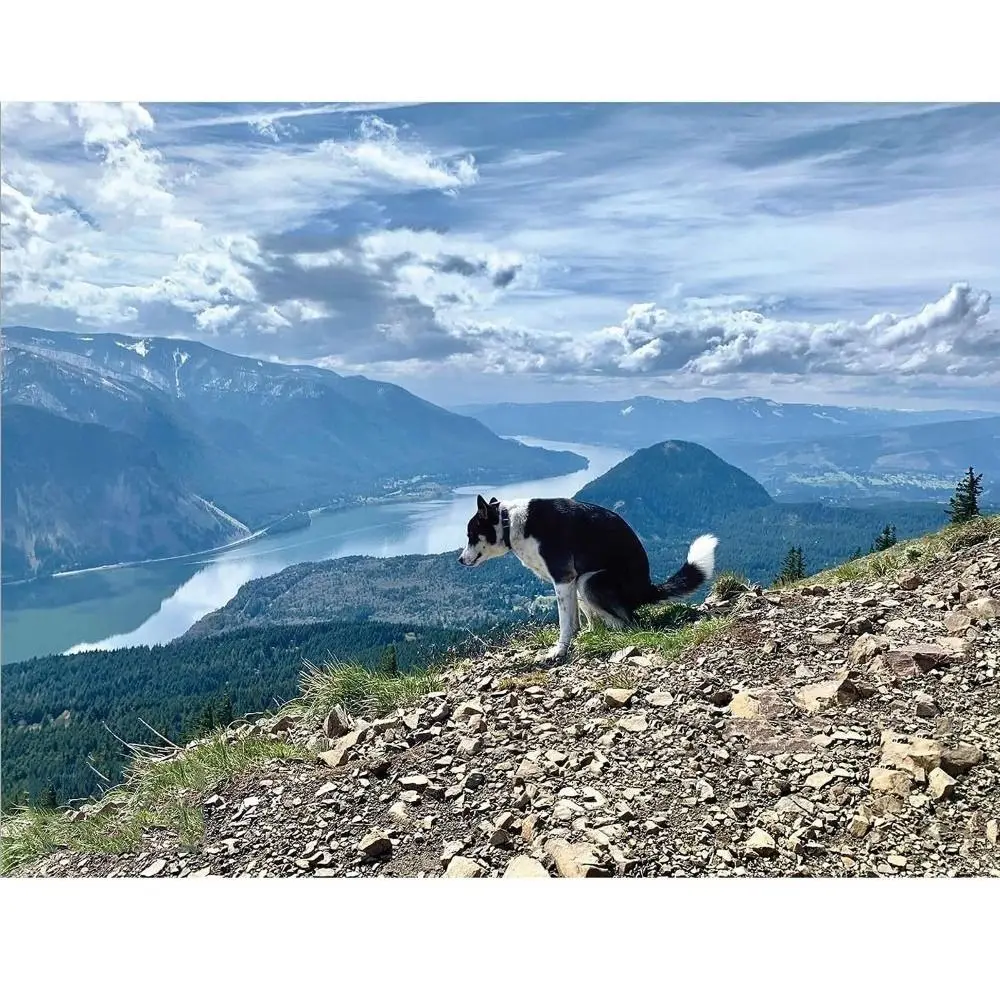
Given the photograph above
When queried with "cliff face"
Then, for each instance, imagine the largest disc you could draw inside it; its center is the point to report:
(846, 727)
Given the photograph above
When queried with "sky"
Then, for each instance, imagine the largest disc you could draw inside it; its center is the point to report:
(486, 252)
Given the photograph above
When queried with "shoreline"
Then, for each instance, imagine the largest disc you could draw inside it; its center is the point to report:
(237, 543)
(436, 491)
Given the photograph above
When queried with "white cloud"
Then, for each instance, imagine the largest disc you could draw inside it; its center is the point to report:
(103, 230)
(268, 128)
(641, 246)
(698, 341)
(303, 179)
(214, 317)
(134, 179)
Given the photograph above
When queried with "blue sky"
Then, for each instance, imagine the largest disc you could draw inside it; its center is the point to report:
(844, 253)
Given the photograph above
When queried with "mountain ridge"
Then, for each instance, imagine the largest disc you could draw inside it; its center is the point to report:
(257, 439)
(711, 418)
(57, 471)
(855, 455)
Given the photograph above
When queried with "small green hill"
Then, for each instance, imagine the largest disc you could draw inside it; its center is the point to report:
(675, 490)
(677, 484)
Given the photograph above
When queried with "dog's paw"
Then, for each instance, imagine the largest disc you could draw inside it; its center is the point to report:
(554, 655)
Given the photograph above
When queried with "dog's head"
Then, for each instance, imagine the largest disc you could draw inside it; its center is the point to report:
(484, 534)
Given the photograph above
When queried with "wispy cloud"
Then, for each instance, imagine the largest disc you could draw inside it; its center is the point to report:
(522, 249)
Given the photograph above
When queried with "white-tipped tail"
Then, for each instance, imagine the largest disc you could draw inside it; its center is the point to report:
(702, 554)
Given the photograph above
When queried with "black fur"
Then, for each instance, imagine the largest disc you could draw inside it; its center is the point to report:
(485, 522)
(577, 538)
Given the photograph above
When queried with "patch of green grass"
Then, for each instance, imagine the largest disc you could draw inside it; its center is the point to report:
(729, 585)
(538, 638)
(853, 570)
(971, 532)
(681, 629)
(159, 791)
(911, 553)
(362, 691)
(669, 644)
(666, 616)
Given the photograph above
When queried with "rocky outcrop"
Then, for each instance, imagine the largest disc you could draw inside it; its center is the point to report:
(826, 731)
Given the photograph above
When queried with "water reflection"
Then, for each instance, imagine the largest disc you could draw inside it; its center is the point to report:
(154, 603)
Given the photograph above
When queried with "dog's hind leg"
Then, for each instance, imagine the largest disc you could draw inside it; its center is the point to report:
(569, 620)
(604, 600)
(588, 615)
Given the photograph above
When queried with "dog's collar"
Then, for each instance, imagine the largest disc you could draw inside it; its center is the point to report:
(505, 525)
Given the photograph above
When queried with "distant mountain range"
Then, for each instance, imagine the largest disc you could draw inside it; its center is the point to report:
(906, 462)
(676, 489)
(797, 450)
(645, 420)
(253, 439)
(669, 493)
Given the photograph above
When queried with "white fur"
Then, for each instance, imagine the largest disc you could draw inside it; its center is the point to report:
(569, 618)
(571, 598)
(702, 554)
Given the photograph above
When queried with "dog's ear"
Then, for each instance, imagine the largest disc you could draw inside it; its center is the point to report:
(494, 502)
(482, 506)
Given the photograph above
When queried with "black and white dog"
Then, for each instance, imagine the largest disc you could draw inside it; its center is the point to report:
(592, 557)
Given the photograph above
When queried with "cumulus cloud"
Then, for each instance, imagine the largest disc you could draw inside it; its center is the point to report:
(954, 335)
(697, 343)
(115, 232)
(269, 128)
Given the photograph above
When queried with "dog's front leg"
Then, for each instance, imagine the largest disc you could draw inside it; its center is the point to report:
(569, 620)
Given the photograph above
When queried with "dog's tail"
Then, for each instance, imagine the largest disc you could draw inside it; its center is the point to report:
(699, 567)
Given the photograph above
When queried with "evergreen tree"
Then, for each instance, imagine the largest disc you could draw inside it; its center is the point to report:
(47, 800)
(793, 568)
(885, 539)
(224, 714)
(965, 503)
(206, 721)
(856, 554)
(388, 663)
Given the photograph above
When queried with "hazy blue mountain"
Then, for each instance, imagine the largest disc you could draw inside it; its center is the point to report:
(645, 420)
(797, 450)
(77, 494)
(922, 461)
(259, 440)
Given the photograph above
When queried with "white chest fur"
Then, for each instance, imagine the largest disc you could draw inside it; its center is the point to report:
(526, 549)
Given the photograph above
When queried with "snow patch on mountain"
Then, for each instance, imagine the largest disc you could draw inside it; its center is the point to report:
(141, 347)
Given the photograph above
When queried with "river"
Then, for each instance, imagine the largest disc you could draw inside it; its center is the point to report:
(154, 602)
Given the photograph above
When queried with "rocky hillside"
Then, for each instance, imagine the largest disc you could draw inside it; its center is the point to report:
(850, 726)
